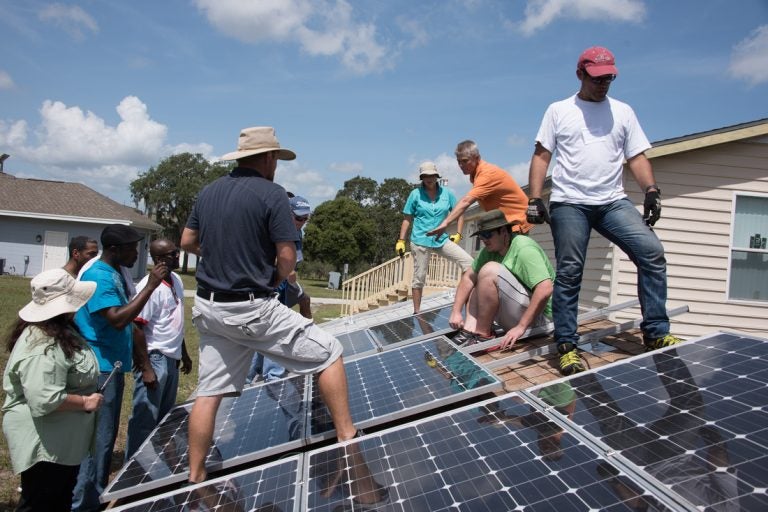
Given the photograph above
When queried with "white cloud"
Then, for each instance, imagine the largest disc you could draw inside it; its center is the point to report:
(73, 145)
(749, 60)
(346, 167)
(519, 172)
(6, 82)
(517, 140)
(304, 182)
(540, 13)
(71, 18)
(319, 27)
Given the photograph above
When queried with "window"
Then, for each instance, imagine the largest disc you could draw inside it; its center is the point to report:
(748, 265)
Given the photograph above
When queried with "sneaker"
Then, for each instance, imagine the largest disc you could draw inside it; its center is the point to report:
(570, 362)
(665, 341)
(463, 337)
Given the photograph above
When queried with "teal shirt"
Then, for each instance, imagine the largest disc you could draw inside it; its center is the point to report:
(428, 214)
(37, 379)
(108, 343)
(526, 260)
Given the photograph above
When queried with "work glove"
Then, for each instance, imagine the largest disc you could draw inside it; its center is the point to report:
(652, 207)
(455, 238)
(400, 247)
(537, 213)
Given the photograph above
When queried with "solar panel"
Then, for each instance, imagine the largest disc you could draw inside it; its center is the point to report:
(395, 333)
(272, 487)
(263, 421)
(357, 342)
(272, 418)
(499, 455)
(406, 381)
(693, 417)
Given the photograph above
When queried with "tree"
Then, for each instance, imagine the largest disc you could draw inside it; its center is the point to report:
(341, 231)
(393, 193)
(359, 189)
(169, 190)
(390, 198)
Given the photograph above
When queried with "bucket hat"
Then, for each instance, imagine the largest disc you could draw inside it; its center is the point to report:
(258, 139)
(55, 292)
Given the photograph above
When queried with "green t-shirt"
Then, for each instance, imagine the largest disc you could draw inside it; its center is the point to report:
(526, 260)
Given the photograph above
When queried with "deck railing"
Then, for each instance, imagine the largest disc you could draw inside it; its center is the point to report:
(392, 279)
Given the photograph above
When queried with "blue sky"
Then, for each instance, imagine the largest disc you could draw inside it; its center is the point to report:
(98, 91)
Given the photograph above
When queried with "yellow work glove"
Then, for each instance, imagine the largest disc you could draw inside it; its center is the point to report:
(455, 238)
(400, 247)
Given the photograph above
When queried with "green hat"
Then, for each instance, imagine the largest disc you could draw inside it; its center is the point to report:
(493, 219)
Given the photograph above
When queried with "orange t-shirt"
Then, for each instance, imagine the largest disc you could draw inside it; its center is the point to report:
(494, 188)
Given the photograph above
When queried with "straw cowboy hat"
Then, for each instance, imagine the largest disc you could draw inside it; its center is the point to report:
(55, 292)
(258, 139)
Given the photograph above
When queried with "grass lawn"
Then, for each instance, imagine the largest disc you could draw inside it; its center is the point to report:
(14, 293)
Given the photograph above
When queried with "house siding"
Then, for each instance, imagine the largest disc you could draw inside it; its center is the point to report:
(698, 190)
(17, 240)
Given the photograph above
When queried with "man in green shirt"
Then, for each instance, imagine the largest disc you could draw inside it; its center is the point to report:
(511, 281)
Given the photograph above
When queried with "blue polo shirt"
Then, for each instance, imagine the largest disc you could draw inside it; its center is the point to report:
(428, 214)
(108, 343)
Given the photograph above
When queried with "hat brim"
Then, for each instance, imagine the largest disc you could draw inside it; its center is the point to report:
(496, 225)
(595, 70)
(428, 174)
(283, 154)
(302, 212)
(65, 303)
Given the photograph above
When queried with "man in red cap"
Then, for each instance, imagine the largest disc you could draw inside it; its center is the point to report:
(591, 135)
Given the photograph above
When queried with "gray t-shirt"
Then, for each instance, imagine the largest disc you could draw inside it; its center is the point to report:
(239, 219)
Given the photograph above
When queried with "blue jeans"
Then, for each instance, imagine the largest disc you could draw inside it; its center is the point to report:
(265, 366)
(151, 405)
(623, 225)
(94, 470)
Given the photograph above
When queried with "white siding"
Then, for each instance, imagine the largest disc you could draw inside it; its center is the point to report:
(697, 194)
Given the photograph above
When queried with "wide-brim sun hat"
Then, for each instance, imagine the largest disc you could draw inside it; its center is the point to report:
(258, 139)
(55, 292)
(493, 219)
(428, 169)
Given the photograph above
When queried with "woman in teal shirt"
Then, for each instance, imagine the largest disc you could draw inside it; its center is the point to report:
(50, 384)
(426, 207)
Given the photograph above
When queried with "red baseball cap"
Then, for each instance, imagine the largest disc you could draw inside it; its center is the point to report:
(597, 61)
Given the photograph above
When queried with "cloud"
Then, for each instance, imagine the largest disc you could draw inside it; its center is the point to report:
(79, 146)
(304, 182)
(540, 13)
(71, 18)
(6, 82)
(324, 28)
(749, 60)
(517, 140)
(346, 167)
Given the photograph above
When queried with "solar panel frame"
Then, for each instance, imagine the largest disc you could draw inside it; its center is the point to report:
(386, 344)
(451, 368)
(174, 500)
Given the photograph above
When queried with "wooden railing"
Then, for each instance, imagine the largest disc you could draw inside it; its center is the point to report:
(392, 278)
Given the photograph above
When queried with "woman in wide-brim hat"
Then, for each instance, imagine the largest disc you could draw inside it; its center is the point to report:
(50, 383)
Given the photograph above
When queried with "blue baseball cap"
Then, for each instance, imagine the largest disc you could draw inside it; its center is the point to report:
(300, 206)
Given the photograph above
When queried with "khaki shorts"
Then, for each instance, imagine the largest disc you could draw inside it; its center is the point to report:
(230, 332)
(514, 299)
(449, 250)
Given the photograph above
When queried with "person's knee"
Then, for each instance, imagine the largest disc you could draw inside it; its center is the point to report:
(489, 272)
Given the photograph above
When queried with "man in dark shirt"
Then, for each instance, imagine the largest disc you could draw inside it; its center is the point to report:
(243, 228)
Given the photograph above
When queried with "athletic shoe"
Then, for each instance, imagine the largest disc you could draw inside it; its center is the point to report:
(570, 362)
(665, 341)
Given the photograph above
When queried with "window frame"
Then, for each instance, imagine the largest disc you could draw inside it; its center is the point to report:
(739, 248)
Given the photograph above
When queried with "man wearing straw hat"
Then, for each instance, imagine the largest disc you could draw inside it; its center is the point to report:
(243, 228)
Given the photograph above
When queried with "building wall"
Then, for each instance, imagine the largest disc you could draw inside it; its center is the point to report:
(18, 239)
(698, 190)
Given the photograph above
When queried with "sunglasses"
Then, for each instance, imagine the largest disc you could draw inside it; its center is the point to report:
(600, 80)
(301, 219)
(487, 234)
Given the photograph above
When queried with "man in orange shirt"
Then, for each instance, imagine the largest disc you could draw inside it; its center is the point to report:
(492, 187)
